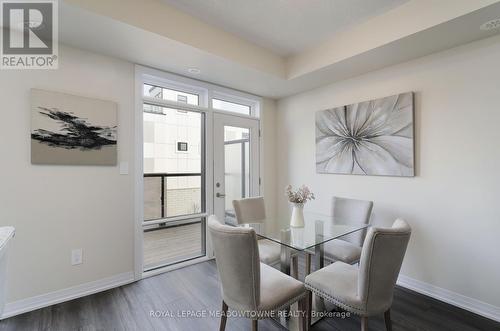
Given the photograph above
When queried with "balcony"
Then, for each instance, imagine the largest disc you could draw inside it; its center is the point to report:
(170, 233)
(170, 195)
(169, 244)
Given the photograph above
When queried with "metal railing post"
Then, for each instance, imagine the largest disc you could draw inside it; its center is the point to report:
(162, 196)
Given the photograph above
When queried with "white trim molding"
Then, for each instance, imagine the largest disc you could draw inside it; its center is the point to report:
(78, 291)
(171, 267)
(52, 298)
(473, 305)
(206, 92)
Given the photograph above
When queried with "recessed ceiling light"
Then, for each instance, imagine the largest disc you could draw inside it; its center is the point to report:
(491, 25)
(194, 71)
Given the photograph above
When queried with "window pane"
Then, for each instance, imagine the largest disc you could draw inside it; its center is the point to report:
(153, 109)
(170, 95)
(173, 149)
(165, 245)
(230, 106)
(182, 195)
(152, 198)
(237, 167)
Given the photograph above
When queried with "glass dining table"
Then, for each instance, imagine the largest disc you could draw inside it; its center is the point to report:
(309, 240)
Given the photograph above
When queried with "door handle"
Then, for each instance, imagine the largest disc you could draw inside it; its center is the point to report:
(218, 195)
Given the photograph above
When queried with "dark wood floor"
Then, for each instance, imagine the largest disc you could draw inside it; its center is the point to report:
(196, 288)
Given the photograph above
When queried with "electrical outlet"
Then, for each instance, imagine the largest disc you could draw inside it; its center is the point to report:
(76, 256)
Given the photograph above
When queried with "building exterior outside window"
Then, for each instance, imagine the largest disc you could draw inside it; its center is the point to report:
(172, 145)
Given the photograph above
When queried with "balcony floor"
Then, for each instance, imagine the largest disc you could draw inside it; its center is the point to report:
(169, 245)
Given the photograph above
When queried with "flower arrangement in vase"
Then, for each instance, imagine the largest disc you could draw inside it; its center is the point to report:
(298, 199)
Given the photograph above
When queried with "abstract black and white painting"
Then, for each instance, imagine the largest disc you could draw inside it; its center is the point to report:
(367, 138)
(72, 130)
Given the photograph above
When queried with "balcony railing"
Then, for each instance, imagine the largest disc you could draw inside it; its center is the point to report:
(173, 194)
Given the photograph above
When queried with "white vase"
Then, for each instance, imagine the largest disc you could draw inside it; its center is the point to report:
(297, 220)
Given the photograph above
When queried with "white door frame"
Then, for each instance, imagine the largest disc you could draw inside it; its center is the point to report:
(152, 76)
(219, 122)
(206, 92)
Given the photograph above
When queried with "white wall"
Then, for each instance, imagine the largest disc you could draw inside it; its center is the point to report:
(58, 208)
(452, 203)
(268, 157)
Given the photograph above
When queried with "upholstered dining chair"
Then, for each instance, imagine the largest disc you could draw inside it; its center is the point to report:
(367, 289)
(250, 287)
(252, 211)
(348, 248)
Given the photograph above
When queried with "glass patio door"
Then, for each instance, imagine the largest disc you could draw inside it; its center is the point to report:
(236, 162)
(174, 180)
(197, 149)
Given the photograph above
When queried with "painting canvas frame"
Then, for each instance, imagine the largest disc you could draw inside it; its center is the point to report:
(373, 138)
(72, 130)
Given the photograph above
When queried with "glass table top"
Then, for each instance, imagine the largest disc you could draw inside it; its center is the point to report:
(318, 229)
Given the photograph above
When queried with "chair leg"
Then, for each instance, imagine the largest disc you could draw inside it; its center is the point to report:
(309, 308)
(223, 317)
(303, 315)
(255, 325)
(388, 322)
(364, 323)
(295, 267)
(301, 310)
(308, 264)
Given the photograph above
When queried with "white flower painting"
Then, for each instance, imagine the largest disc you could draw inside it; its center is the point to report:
(367, 138)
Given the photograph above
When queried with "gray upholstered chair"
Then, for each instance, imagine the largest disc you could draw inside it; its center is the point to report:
(367, 289)
(348, 248)
(248, 286)
(353, 212)
(252, 211)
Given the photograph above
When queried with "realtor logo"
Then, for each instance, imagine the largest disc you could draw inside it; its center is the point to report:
(29, 34)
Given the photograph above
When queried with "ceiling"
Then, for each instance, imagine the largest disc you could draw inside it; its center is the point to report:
(155, 34)
(286, 27)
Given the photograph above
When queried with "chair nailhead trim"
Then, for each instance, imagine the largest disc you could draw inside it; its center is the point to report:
(328, 297)
(261, 314)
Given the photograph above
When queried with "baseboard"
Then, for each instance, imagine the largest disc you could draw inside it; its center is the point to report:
(45, 300)
(52, 298)
(453, 298)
